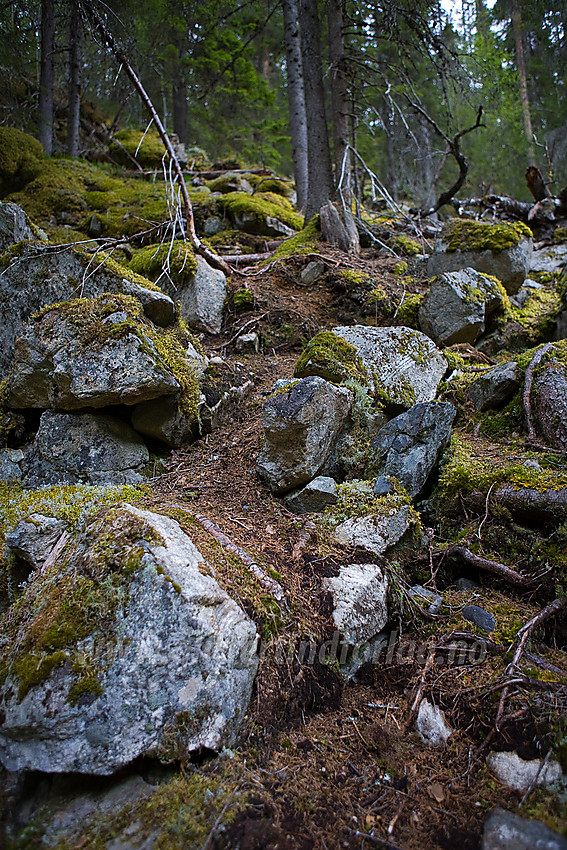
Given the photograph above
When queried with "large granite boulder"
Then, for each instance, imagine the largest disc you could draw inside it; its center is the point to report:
(89, 353)
(403, 366)
(201, 300)
(84, 448)
(134, 651)
(301, 420)
(33, 276)
(550, 404)
(409, 447)
(14, 225)
(360, 601)
(502, 250)
(495, 387)
(457, 305)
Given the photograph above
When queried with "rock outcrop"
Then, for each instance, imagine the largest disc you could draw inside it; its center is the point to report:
(139, 652)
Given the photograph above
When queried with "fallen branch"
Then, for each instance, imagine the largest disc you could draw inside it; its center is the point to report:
(536, 360)
(489, 566)
(520, 643)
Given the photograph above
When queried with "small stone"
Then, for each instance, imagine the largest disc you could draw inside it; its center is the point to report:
(494, 388)
(507, 831)
(95, 226)
(382, 486)
(432, 726)
(422, 594)
(213, 225)
(479, 617)
(466, 584)
(519, 774)
(216, 361)
(312, 272)
(359, 601)
(314, 497)
(248, 343)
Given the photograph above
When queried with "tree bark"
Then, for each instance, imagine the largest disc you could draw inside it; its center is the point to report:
(321, 187)
(339, 97)
(521, 65)
(296, 100)
(180, 122)
(46, 76)
(74, 105)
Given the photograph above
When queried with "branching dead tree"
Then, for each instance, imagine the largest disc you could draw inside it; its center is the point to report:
(118, 52)
(454, 149)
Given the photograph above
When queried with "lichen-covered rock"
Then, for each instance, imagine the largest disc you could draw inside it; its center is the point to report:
(431, 725)
(314, 497)
(14, 225)
(409, 447)
(506, 831)
(360, 608)
(34, 538)
(135, 651)
(301, 422)
(163, 419)
(375, 532)
(402, 365)
(457, 305)
(502, 250)
(87, 354)
(202, 300)
(10, 460)
(520, 774)
(494, 387)
(550, 404)
(34, 276)
(85, 448)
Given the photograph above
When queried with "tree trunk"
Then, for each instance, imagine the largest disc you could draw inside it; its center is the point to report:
(321, 187)
(46, 76)
(339, 97)
(521, 65)
(180, 122)
(296, 99)
(74, 107)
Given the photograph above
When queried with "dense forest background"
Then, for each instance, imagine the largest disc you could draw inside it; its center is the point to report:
(217, 73)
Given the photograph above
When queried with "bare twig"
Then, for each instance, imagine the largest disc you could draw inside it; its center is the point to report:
(490, 566)
(536, 360)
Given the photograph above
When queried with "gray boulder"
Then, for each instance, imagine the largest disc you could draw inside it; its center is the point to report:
(314, 497)
(549, 400)
(360, 608)
(495, 387)
(403, 365)
(163, 419)
(87, 448)
(375, 532)
(457, 305)
(161, 664)
(59, 365)
(507, 831)
(201, 302)
(34, 538)
(40, 275)
(10, 460)
(301, 422)
(409, 447)
(14, 226)
(510, 265)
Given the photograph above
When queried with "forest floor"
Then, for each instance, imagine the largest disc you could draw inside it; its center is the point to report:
(321, 763)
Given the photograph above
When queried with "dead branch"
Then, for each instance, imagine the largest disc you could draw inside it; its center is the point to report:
(536, 360)
(121, 57)
(536, 183)
(520, 644)
(455, 151)
(489, 566)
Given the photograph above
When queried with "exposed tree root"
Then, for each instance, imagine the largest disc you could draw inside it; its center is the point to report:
(489, 566)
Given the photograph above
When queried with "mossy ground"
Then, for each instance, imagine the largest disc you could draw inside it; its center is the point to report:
(305, 242)
(21, 159)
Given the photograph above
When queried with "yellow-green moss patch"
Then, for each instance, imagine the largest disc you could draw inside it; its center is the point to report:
(242, 204)
(304, 242)
(173, 260)
(332, 358)
(462, 235)
(147, 149)
(21, 159)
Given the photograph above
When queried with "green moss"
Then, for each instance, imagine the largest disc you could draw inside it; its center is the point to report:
(241, 204)
(538, 314)
(355, 278)
(274, 185)
(356, 499)
(400, 268)
(85, 685)
(21, 159)
(274, 198)
(560, 234)
(128, 143)
(304, 242)
(175, 261)
(463, 235)
(32, 669)
(243, 300)
(405, 245)
(407, 313)
(332, 358)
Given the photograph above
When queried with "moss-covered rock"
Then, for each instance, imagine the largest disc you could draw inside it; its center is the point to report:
(304, 242)
(173, 260)
(249, 211)
(21, 159)
(133, 145)
(332, 358)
